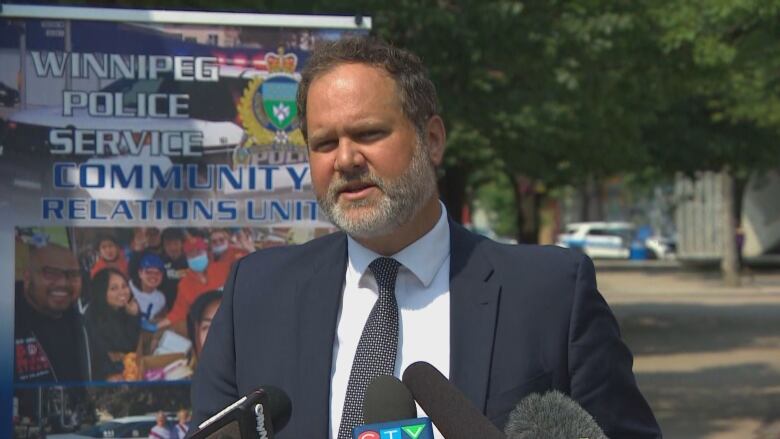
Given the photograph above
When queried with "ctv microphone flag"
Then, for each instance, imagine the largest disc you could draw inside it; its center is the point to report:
(419, 428)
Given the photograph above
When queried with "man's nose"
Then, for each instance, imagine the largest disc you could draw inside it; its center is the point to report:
(61, 280)
(349, 157)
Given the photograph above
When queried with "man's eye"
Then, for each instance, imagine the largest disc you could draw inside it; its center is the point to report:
(323, 145)
(370, 135)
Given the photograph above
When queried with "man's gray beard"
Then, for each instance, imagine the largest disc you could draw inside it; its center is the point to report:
(400, 201)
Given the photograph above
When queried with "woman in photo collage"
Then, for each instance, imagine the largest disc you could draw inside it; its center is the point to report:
(113, 323)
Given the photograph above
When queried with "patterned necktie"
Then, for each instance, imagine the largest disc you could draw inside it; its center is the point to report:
(377, 347)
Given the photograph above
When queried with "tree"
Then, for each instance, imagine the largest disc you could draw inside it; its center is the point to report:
(575, 101)
(724, 57)
(563, 93)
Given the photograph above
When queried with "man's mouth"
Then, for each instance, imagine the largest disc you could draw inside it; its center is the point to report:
(60, 295)
(356, 190)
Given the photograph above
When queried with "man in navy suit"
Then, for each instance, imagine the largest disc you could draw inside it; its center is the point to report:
(500, 321)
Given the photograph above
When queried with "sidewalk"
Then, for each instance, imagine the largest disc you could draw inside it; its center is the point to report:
(706, 356)
(687, 287)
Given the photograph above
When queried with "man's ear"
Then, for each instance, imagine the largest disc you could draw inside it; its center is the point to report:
(436, 139)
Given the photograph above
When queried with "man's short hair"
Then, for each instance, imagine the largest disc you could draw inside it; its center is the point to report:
(171, 234)
(106, 237)
(415, 89)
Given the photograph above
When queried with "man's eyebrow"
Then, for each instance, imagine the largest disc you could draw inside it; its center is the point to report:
(355, 126)
(319, 134)
(366, 124)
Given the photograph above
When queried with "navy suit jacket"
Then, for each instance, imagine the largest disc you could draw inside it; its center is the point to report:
(524, 319)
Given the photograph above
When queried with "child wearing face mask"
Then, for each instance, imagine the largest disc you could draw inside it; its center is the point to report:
(222, 249)
(203, 275)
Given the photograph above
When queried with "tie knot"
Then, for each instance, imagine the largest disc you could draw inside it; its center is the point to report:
(385, 271)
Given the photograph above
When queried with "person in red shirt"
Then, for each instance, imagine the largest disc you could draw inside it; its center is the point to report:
(203, 275)
(222, 250)
(110, 255)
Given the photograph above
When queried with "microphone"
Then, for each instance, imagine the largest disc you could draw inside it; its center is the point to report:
(452, 413)
(390, 413)
(551, 416)
(257, 415)
(387, 399)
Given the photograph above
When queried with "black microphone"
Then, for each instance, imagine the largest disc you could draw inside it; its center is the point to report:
(551, 416)
(387, 399)
(258, 415)
(449, 409)
(389, 412)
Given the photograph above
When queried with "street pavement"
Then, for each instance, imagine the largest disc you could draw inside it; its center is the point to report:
(706, 356)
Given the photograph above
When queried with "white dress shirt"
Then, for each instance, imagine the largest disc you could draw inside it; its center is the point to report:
(422, 291)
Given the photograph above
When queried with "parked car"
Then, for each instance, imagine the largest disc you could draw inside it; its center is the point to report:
(599, 239)
(119, 428)
(661, 247)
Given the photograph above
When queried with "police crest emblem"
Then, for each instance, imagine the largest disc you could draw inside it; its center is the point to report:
(268, 111)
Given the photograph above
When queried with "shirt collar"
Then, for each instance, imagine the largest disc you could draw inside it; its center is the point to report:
(423, 257)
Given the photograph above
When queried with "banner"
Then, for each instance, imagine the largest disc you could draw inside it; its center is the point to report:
(139, 159)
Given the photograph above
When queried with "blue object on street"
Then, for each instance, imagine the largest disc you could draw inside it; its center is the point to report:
(644, 232)
(637, 251)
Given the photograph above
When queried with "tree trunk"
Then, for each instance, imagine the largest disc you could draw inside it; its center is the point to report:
(729, 264)
(740, 184)
(591, 193)
(519, 213)
(584, 196)
(538, 201)
(527, 208)
(452, 190)
(598, 196)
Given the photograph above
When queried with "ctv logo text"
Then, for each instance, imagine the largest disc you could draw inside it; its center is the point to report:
(409, 431)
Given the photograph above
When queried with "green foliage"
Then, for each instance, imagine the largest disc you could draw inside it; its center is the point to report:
(563, 91)
(728, 114)
(498, 199)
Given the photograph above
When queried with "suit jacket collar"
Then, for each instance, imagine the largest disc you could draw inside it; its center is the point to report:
(319, 297)
(474, 291)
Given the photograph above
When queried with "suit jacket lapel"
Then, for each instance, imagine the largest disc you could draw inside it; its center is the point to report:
(474, 291)
(318, 298)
